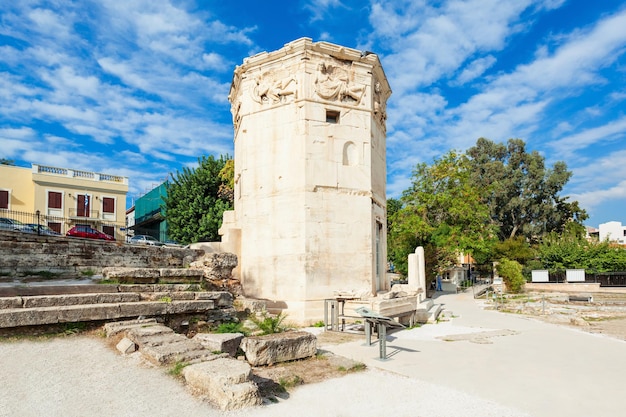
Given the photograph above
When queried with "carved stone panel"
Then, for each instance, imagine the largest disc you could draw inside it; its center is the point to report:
(335, 82)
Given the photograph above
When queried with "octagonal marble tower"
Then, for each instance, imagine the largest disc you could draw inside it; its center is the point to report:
(310, 174)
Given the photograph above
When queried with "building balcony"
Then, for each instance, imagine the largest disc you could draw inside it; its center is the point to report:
(83, 175)
(84, 214)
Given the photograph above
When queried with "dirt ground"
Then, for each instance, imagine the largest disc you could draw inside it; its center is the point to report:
(605, 314)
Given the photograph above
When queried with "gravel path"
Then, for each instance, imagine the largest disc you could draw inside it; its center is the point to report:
(81, 376)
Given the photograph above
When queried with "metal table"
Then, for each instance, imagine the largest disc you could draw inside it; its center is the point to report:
(382, 323)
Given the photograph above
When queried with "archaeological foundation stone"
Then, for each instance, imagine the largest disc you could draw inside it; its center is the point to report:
(224, 382)
(279, 347)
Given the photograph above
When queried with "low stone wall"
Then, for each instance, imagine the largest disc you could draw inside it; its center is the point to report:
(24, 254)
(561, 287)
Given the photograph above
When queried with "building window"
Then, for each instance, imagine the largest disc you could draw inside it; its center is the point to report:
(54, 200)
(55, 226)
(109, 230)
(4, 199)
(332, 116)
(82, 206)
(108, 205)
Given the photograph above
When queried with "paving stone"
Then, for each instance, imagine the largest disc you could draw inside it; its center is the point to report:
(279, 347)
(10, 302)
(182, 351)
(224, 382)
(117, 327)
(220, 342)
(126, 346)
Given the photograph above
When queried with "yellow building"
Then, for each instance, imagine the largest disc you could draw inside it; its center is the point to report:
(64, 198)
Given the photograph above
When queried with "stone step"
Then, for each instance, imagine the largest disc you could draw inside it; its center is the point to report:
(153, 275)
(225, 382)
(433, 313)
(220, 298)
(54, 289)
(18, 317)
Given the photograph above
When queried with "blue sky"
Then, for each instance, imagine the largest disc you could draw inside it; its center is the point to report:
(139, 87)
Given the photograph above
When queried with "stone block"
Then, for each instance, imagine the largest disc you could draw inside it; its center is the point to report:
(139, 288)
(181, 351)
(87, 312)
(177, 275)
(191, 306)
(225, 383)
(279, 347)
(126, 346)
(78, 299)
(143, 275)
(27, 317)
(222, 298)
(117, 327)
(10, 302)
(220, 342)
(142, 308)
(173, 295)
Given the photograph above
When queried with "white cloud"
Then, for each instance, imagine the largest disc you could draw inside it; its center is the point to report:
(474, 70)
(612, 131)
(597, 197)
(215, 61)
(430, 43)
(49, 23)
(319, 8)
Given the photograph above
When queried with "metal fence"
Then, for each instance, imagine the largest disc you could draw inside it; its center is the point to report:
(45, 224)
(605, 279)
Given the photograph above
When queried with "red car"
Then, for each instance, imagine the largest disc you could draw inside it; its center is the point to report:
(88, 232)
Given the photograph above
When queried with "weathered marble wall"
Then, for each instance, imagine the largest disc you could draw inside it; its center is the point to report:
(21, 254)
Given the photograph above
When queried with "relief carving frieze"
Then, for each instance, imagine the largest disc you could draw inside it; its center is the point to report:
(334, 82)
(380, 103)
(272, 87)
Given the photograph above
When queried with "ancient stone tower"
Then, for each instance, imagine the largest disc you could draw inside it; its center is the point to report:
(310, 206)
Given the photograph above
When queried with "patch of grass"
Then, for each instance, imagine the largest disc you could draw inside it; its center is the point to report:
(166, 299)
(88, 273)
(42, 274)
(599, 319)
(177, 369)
(290, 382)
(231, 327)
(319, 324)
(357, 367)
(109, 281)
(74, 328)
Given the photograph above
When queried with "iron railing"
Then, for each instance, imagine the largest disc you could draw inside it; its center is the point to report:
(42, 223)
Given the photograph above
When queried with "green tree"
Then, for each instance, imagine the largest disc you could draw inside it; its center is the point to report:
(516, 248)
(193, 207)
(4, 161)
(511, 273)
(522, 194)
(444, 212)
(560, 252)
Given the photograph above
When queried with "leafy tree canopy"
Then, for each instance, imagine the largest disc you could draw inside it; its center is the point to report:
(561, 252)
(466, 203)
(521, 193)
(442, 211)
(193, 207)
(4, 161)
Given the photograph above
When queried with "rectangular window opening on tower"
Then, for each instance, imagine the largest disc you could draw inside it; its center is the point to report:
(332, 116)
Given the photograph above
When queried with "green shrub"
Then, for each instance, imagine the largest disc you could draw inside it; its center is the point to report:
(231, 327)
(269, 324)
(511, 273)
